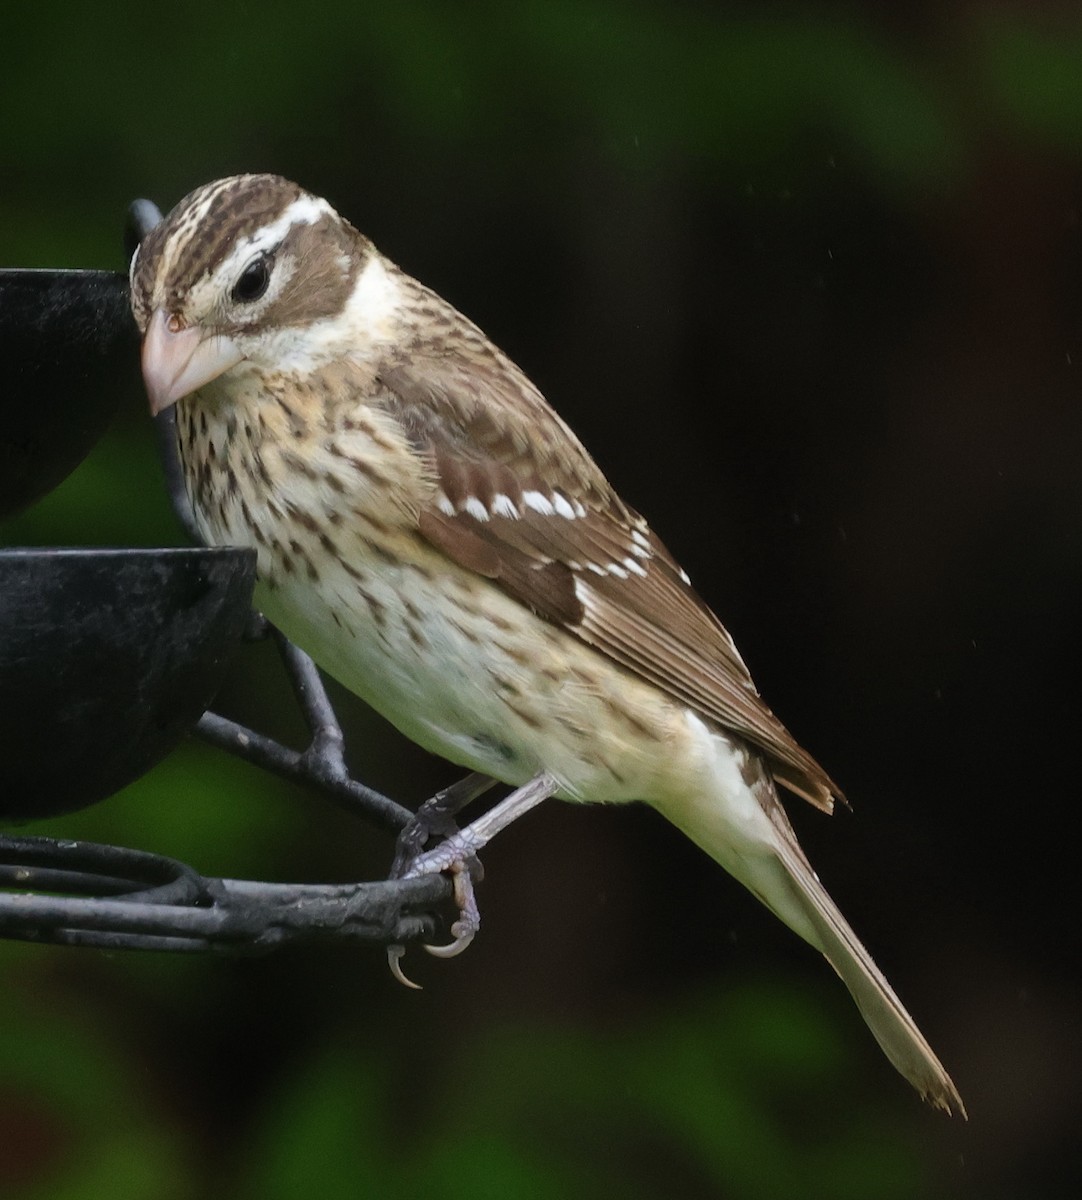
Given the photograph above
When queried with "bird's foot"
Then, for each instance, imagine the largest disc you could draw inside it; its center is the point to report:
(435, 819)
(464, 869)
(458, 854)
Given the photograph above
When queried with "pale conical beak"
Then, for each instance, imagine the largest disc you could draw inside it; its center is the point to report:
(177, 361)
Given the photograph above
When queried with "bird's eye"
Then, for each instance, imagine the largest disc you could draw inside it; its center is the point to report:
(254, 280)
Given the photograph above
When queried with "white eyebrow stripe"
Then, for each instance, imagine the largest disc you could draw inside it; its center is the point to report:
(305, 210)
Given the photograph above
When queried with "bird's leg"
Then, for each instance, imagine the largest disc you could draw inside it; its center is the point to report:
(435, 818)
(478, 834)
(456, 854)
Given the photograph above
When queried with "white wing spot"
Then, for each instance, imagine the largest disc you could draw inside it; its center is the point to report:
(476, 509)
(504, 506)
(685, 576)
(445, 505)
(641, 545)
(539, 503)
(563, 507)
(634, 567)
(584, 595)
(617, 570)
(580, 509)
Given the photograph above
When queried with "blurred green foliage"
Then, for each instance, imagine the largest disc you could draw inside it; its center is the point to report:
(661, 1107)
(121, 101)
(744, 1091)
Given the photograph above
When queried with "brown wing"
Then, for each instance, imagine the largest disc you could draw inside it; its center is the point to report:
(522, 503)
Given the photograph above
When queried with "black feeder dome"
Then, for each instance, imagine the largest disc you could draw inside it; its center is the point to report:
(107, 659)
(70, 351)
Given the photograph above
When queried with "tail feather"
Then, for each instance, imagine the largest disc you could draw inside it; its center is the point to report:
(893, 1028)
(741, 824)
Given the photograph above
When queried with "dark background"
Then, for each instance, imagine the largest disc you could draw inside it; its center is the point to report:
(807, 279)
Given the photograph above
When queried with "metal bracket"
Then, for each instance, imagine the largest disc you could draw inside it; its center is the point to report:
(115, 898)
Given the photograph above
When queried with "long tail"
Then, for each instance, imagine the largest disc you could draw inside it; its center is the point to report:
(893, 1028)
(750, 835)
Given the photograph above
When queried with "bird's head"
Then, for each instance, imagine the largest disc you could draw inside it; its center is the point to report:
(247, 270)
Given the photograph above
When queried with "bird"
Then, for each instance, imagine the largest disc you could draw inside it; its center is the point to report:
(437, 538)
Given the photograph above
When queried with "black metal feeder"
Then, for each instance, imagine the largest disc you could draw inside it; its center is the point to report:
(109, 658)
(70, 354)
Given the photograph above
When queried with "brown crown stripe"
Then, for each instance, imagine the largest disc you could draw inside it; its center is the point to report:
(204, 228)
(233, 213)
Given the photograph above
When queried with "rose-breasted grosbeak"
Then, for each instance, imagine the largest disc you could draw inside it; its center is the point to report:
(439, 540)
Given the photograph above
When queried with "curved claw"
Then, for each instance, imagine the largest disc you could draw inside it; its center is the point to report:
(394, 961)
(452, 949)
